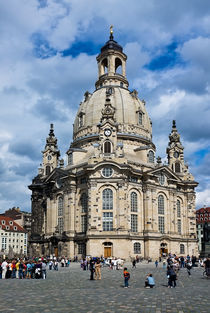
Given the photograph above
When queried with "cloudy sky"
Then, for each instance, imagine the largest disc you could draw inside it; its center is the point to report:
(48, 54)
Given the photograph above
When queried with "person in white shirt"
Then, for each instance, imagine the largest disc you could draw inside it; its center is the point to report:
(114, 264)
(4, 269)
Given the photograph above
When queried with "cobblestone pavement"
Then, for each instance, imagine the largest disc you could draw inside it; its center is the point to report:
(70, 290)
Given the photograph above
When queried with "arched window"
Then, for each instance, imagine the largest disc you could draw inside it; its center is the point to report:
(84, 202)
(177, 167)
(178, 204)
(151, 156)
(104, 64)
(137, 248)
(160, 204)
(118, 66)
(182, 249)
(134, 203)
(107, 147)
(60, 206)
(140, 118)
(107, 198)
(47, 170)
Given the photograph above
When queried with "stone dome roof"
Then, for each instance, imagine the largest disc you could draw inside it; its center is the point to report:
(112, 45)
(126, 105)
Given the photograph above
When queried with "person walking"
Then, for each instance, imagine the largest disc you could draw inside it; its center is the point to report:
(92, 269)
(156, 263)
(126, 277)
(44, 269)
(98, 270)
(171, 277)
(134, 263)
(189, 267)
(207, 266)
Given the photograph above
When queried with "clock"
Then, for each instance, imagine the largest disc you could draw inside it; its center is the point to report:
(107, 132)
(176, 154)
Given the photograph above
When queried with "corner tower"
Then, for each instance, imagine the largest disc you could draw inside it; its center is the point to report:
(50, 154)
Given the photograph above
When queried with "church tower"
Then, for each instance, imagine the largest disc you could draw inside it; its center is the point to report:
(175, 153)
(50, 154)
(112, 198)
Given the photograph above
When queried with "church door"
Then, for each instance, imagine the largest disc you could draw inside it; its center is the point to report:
(107, 252)
(56, 251)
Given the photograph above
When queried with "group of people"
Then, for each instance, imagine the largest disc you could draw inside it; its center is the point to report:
(35, 268)
(23, 269)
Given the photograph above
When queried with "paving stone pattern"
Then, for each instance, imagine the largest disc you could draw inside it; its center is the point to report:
(70, 290)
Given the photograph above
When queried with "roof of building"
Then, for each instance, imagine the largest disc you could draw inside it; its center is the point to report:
(203, 210)
(111, 44)
(8, 224)
(15, 213)
(203, 215)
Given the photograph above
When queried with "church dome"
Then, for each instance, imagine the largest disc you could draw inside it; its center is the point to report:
(112, 102)
(130, 112)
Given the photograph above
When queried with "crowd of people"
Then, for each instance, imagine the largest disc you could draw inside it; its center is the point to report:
(37, 267)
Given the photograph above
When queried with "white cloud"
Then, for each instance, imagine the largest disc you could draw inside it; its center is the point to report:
(203, 198)
(197, 51)
(168, 103)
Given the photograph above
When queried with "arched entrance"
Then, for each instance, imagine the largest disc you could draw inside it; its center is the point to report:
(163, 249)
(107, 249)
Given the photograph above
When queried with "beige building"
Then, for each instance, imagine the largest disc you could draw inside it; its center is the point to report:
(113, 198)
(13, 238)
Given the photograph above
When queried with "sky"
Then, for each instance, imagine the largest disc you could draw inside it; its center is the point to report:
(48, 52)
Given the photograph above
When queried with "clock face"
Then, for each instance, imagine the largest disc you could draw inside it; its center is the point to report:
(107, 132)
(176, 154)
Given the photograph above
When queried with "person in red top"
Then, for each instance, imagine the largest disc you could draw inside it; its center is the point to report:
(126, 277)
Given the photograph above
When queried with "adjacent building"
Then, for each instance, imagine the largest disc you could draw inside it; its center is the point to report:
(202, 224)
(13, 238)
(22, 218)
(113, 197)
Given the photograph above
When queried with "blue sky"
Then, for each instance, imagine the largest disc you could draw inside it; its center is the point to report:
(48, 55)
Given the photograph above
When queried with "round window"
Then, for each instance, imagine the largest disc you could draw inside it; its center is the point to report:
(107, 171)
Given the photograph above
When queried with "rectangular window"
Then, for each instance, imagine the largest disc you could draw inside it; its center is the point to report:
(4, 243)
(82, 248)
(161, 224)
(80, 120)
(84, 223)
(140, 118)
(133, 179)
(70, 159)
(107, 221)
(134, 223)
(179, 226)
(60, 225)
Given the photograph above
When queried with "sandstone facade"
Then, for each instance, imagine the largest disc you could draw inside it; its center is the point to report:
(113, 198)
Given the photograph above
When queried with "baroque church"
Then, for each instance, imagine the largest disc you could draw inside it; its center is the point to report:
(113, 197)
